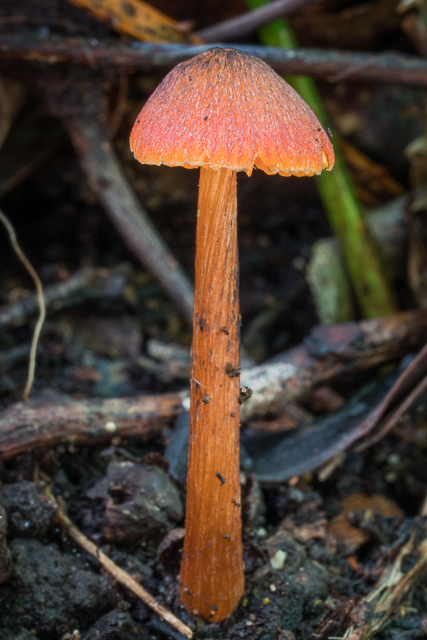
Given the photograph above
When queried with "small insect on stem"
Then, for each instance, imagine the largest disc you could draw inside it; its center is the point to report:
(220, 478)
(231, 371)
(245, 394)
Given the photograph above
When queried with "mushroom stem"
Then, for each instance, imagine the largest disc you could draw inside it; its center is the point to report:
(212, 568)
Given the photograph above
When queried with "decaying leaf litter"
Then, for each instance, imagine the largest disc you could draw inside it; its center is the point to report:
(333, 480)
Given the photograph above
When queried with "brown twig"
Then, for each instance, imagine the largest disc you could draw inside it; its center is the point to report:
(328, 354)
(77, 97)
(119, 574)
(248, 22)
(390, 68)
(12, 97)
(53, 420)
(85, 284)
(138, 232)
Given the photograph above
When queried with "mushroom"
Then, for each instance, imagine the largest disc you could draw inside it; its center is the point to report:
(223, 111)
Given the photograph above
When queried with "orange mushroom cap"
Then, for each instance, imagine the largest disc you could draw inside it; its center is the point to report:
(226, 108)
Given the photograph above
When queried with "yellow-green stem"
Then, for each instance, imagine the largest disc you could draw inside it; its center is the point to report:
(346, 215)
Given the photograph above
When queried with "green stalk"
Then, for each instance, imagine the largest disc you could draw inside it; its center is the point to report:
(346, 215)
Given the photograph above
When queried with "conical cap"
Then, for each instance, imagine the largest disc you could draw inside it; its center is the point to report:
(226, 108)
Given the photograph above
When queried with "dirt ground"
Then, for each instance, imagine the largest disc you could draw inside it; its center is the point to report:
(317, 544)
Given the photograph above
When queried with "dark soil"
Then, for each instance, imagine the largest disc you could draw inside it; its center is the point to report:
(303, 580)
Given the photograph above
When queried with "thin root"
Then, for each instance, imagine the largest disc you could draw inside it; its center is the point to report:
(39, 288)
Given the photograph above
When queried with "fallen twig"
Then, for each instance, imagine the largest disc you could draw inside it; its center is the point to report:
(409, 391)
(12, 97)
(132, 221)
(119, 574)
(366, 418)
(82, 106)
(330, 65)
(85, 284)
(54, 419)
(248, 22)
(328, 354)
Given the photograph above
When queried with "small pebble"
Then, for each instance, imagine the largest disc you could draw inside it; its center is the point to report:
(278, 560)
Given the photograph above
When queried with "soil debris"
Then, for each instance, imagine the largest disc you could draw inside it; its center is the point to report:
(29, 512)
(52, 592)
(141, 503)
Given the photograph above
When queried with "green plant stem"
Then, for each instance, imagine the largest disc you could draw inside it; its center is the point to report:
(346, 216)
